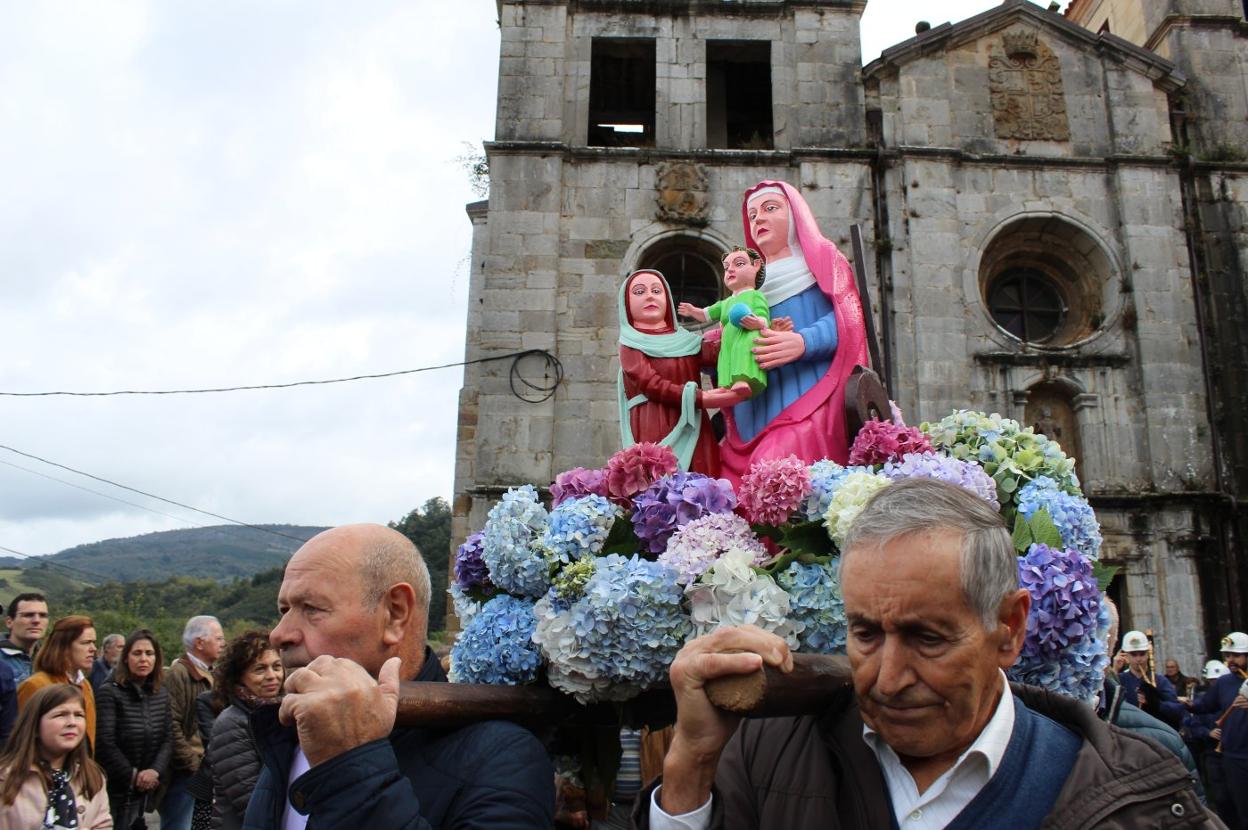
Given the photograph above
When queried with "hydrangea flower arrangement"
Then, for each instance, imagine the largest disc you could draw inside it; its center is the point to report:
(881, 441)
(847, 502)
(619, 637)
(578, 482)
(676, 500)
(695, 547)
(815, 601)
(1072, 515)
(1009, 453)
(516, 564)
(579, 527)
(497, 645)
(825, 477)
(1063, 650)
(773, 489)
(606, 619)
(634, 469)
(733, 593)
(966, 474)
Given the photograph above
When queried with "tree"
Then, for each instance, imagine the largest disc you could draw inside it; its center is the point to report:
(429, 528)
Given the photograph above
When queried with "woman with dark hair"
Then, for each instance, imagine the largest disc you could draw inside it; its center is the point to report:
(66, 657)
(47, 777)
(135, 731)
(248, 676)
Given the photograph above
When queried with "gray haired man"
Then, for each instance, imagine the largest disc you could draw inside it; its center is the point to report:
(932, 736)
(110, 651)
(188, 676)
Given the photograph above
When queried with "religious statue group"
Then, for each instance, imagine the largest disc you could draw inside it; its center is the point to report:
(792, 333)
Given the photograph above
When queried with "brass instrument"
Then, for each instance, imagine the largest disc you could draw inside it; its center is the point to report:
(1152, 660)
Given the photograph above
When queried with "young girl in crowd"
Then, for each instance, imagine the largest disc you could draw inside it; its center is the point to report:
(66, 657)
(47, 778)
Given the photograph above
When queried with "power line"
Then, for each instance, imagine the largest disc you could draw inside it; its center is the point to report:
(552, 362)
(97, 492)
(53, 564)
(151, 495)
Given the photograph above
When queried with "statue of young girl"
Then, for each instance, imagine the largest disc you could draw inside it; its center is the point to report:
(744, 314)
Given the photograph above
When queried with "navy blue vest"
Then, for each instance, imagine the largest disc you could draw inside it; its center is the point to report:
(1037, 761)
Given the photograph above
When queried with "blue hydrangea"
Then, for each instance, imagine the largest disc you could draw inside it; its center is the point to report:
(1062, 650)
(497, 645)
(815, 600)
(579, 527)
(619, 637)
(1072, 514)
(825, 477)
(516, 563)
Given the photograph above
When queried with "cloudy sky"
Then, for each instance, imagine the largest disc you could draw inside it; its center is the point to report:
(232, 193)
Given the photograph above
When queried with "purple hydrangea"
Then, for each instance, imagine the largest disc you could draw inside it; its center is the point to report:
(675, 500)
(470, 569)
(968, 475)
(576, 483)
(695, 546)
(1062, 651)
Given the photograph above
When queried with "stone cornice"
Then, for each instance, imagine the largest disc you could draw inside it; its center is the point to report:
(1161, 71)
(1195, 21)
(1067, 358)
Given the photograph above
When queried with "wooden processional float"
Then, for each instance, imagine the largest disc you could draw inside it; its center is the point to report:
(810, 688)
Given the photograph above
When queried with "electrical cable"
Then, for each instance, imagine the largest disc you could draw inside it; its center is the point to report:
(98, 493)
(553, 366)
(151, 495)
(54, 564)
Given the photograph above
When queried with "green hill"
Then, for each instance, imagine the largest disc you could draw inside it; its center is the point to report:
(220, 552)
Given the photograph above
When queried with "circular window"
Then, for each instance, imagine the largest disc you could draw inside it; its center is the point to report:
(1027, 304)
(1047, 283)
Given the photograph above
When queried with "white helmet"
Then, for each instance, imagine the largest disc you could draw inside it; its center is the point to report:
(1235, 643)
(1214, 669)
(1134, 641)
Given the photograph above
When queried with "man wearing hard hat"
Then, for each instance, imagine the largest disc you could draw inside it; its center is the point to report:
(1142, 685)
(1224, 700)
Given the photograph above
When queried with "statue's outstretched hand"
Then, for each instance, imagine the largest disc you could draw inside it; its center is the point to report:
(782, 324)
(777, 348)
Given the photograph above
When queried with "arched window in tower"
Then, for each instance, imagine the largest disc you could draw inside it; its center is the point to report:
(692, 267)
(1049, 411)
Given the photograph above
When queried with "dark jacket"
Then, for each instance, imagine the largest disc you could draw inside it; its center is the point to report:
(234, 763)
(487, 775)
(1217, 702)
(134, 732)
(100, 673)
(818, 774)
(8, 701)
(200, 784)
(1122, 714)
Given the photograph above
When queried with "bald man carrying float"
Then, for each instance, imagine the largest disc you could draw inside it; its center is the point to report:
(354, 607)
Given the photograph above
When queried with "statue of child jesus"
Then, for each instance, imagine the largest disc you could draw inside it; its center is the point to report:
(744, 315)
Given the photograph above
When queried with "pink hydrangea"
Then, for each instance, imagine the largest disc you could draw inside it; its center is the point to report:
(882, 441)
(578, 482)
(632, 470)
(773, 489)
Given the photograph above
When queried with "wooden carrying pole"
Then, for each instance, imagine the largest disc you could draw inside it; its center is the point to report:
(815, 680)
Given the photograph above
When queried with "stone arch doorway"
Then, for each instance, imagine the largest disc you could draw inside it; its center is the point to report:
(1050, 410)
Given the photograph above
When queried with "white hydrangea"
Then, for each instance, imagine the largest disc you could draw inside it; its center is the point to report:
(732, 593)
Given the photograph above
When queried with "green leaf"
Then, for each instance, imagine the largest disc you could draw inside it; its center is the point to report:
(1104, 574)
(622, 539)
(807, 537)
(1043, 529)
(1022, 534)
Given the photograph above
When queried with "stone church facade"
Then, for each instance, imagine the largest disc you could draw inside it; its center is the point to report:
(1055, 232)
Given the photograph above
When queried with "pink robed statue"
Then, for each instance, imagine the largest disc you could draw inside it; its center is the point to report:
(801, 410)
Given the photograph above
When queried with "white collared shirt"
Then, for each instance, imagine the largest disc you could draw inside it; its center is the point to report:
(934, 808)
(199, 664)
(949, 794)
(292, 819)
